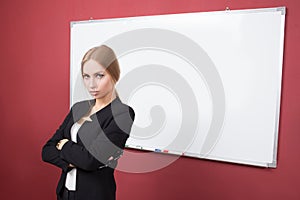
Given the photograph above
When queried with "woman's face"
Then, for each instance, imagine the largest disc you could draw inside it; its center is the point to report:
(97, 80)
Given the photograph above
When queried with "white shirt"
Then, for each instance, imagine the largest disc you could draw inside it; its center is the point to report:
(71, 175)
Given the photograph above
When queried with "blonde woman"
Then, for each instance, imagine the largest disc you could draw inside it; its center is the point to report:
(88, 143)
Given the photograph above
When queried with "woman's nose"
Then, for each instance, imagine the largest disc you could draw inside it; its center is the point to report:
(92, 83)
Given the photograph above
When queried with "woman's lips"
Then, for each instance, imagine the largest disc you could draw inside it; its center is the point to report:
(93, 93)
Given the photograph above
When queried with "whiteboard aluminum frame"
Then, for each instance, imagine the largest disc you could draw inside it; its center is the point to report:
(245, 11)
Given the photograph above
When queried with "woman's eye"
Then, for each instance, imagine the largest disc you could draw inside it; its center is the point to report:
(99, 75)
(85, 76)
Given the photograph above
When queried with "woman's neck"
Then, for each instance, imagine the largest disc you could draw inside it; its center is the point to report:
(100, 103)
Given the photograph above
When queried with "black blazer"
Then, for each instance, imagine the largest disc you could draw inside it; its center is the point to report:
(97, 140)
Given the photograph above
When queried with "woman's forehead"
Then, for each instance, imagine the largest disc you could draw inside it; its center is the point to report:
(91, 66)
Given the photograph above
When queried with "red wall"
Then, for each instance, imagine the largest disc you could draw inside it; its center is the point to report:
(34, 89)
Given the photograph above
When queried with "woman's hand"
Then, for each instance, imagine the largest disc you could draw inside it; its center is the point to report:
(72, 166)
(110, 158)
(61, 143)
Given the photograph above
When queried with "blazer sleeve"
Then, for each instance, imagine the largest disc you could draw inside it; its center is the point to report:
(50, 153)
(79, 156)
(103, 147)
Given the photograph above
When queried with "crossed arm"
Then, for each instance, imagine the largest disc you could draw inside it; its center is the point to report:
(66, 154)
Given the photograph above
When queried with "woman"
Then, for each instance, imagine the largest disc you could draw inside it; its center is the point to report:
(90, 140)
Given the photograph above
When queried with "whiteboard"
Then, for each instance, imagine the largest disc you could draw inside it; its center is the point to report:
(204, 85)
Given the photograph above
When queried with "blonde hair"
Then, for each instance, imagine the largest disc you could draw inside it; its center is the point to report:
(106, 57)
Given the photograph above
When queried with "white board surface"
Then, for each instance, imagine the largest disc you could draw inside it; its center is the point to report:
(205, 85)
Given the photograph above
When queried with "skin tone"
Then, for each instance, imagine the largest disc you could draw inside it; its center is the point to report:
(101, 86)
